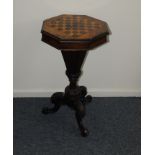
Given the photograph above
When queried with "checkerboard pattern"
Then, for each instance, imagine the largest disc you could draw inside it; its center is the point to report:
(78, 27)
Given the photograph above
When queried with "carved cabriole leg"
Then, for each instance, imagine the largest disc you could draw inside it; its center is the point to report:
(80, 113)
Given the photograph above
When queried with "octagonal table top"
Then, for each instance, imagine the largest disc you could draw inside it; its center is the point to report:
(73, 28)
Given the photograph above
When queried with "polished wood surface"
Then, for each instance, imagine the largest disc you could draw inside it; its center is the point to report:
(74, 27)
(74, 32)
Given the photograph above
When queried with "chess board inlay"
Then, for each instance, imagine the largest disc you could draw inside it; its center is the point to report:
(74, 27)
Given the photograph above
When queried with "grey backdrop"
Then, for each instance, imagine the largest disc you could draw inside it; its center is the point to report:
(110, 70)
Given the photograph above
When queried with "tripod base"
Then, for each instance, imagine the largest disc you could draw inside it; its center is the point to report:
(76, 99)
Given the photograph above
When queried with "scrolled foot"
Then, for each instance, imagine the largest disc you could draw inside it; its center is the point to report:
(57, 98)
(84, 132)
(80, 113)
(47, 110)
(88, 99)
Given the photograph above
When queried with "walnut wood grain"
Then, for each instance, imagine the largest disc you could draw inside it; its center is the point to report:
(69, 32)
